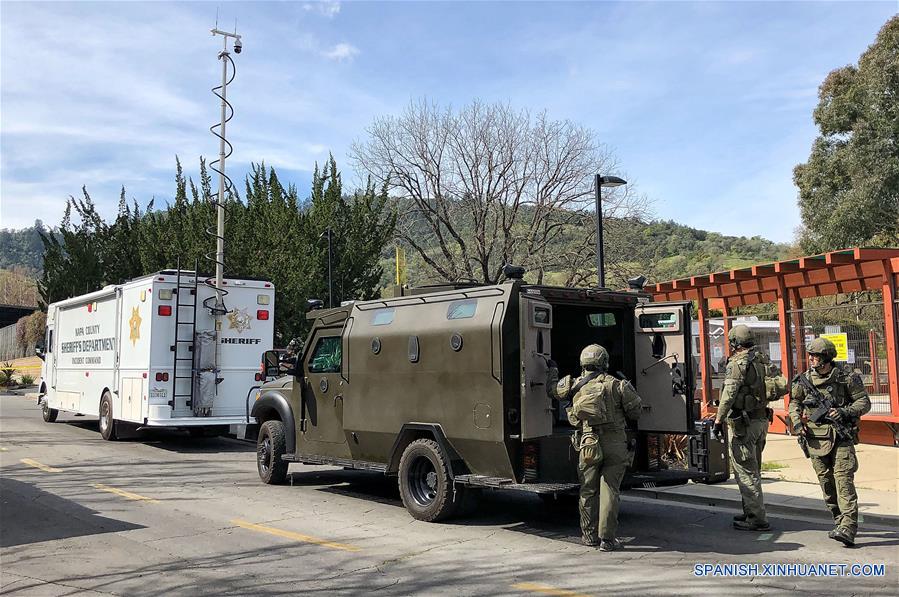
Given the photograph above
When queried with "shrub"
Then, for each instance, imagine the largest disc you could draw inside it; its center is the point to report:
(6, 373)
(26, 380)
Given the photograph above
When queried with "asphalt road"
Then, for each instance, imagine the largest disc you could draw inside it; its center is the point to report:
(164, 514)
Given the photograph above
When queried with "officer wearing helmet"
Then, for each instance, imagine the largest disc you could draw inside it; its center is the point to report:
(288, 361)
(601, 405)
(833, 456)
(743, 405)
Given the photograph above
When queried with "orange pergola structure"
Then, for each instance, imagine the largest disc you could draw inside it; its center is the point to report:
(787, 284)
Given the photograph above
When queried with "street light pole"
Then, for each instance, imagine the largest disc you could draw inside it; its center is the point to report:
(602, 181)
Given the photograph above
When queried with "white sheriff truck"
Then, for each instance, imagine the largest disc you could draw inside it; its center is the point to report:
(143, 353)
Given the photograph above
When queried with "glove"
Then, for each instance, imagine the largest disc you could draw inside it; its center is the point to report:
(839, 414)
(718, 430)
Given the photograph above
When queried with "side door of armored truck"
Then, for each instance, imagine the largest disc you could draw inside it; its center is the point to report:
(535, 325)
(664, 366)
(322, 388)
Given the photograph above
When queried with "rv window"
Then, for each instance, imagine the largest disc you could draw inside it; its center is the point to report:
(326, 356)
(602, 320)
(462, 309)
(49, 341)
(655, 321)
(382, 317)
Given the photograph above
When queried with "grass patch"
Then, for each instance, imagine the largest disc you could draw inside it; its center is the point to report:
(772, 466)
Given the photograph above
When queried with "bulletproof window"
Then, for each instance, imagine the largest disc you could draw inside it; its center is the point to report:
(326, 357)
(542, 315)
(382, 317)
(657, 321)
(464, 309)
(601, 320)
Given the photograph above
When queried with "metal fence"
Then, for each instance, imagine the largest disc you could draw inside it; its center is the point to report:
(859, 332)
(857, 328)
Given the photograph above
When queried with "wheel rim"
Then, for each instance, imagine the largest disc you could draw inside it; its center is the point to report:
(264, 454)
(423, 481)
(46, 409)
(104, 416)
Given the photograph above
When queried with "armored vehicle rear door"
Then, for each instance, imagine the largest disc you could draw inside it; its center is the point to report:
(536, 405)
(664, 372)
(323, 387)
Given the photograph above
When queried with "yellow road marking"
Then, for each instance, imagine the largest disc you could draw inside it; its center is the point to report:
(43, 467)
(123, 493)
(291, 535)
(546, 590)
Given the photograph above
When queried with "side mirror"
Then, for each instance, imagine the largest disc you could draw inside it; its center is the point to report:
(39, 352)
(271, 362)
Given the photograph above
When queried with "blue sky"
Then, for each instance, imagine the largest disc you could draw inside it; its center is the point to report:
(707, 106)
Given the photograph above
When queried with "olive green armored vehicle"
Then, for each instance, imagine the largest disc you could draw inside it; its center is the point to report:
(444, 387)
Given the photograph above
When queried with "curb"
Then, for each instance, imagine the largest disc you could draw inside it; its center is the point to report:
(777, 509)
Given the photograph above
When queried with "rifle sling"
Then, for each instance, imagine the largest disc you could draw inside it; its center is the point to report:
(577, 387)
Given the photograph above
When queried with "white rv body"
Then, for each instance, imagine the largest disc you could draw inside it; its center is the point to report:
(122, 340)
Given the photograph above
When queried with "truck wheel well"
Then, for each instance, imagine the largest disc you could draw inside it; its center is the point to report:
(415, 431)
(407, 436)
(267, 414)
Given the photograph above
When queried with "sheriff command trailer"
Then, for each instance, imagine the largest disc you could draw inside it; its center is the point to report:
(144, 352)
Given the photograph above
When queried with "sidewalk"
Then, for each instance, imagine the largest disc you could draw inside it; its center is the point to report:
(794, 490)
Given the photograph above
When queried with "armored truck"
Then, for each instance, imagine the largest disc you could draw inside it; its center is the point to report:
(444, 387)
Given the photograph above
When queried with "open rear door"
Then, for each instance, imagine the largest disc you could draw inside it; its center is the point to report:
(664, 375)
(536, 406)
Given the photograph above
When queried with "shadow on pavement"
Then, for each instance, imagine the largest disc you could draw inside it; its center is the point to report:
(31, 515)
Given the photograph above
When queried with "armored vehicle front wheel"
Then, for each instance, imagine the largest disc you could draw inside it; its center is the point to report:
(425, 482)
(107, 422)
(270, 447)
(49, 414)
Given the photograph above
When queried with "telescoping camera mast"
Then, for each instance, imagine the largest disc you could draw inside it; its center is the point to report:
(225, 183)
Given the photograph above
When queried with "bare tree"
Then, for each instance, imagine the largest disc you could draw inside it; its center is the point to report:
(488, 185)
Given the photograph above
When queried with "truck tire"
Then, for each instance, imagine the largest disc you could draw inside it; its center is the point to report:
(426, 485)
(49, 414)
(106, 420)
(270, 447)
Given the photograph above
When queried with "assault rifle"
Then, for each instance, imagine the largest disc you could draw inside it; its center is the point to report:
(820, 405)
(803, 444)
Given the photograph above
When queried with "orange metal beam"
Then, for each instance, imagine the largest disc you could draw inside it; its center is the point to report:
(783, 316)
(890, 306)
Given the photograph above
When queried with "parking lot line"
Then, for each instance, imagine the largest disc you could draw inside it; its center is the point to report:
(291, 535)
(43, 467)
(533, 587)
(124, 494)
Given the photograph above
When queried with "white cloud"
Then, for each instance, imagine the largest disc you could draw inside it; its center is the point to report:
(341, 52)
(325, 8)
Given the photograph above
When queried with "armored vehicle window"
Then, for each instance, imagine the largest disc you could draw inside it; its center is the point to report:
(542, 315)
(462, 309)
(601, 320)
(658, 321)
(327, 355)
(382, 317)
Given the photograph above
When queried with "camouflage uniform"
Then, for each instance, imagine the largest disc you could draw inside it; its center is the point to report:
(600, 408)
(742, 405)
(833, 458)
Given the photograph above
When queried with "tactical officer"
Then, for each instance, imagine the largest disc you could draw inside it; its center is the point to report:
(600, 405)
(743, 406)
(288, 361)
(831, 441)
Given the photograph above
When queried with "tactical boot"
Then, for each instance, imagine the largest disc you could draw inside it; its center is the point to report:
(590, 542)
(742, 525)
(610, 545)
(740, 518)
(843, 536)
